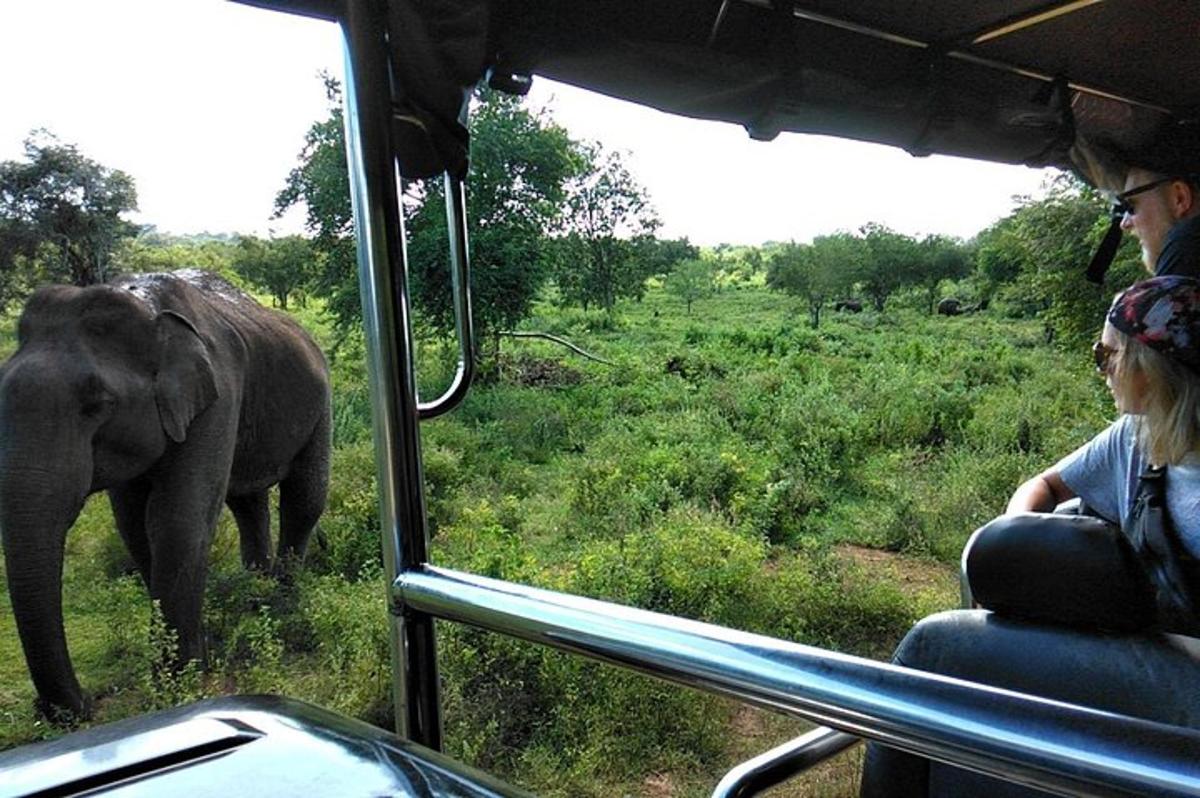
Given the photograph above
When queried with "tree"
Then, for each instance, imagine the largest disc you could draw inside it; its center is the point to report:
(1042, 249)
(942, 258)
(659, 256)
(999, 255)
(60, 214)
(282, 266)
(607, 215)
(891, 261)
(690, 280)
(322, 183)
(151, 251)
(815, 271)
(519, 163)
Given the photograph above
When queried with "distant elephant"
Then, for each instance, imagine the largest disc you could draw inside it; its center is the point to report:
(949, 307)
(851, 305)
(174, 393)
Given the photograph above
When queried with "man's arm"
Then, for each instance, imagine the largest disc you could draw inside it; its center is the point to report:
(1041, 494)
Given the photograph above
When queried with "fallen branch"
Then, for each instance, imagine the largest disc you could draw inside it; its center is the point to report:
(557, 340)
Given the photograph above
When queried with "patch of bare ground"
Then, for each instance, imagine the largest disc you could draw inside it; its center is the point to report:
(911, 575)
(658, 785)
(755, 731)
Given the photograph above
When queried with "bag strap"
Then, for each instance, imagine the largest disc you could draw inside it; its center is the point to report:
(1172, 570)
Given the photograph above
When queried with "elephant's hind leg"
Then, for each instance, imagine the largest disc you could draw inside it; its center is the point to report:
(302, 496)
(252, 512)
(129, 511)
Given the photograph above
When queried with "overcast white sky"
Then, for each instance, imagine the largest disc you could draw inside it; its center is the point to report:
(206, 103)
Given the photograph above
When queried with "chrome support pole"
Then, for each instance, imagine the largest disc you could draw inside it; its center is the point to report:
(783, 762)
(379, 229)
(1020, 738)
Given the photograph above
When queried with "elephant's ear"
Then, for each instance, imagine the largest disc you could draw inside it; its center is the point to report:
(185, 383)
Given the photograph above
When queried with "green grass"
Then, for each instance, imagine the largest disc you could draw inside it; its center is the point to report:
(733, 466)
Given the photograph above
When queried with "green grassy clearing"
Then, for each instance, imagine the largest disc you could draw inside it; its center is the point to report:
(734, 466)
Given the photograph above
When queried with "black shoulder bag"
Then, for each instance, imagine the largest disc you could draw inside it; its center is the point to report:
(1173, 573)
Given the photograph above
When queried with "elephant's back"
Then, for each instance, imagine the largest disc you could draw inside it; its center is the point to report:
(285, 392)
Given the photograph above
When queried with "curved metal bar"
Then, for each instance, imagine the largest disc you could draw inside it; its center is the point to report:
(1016, 737)
(782, 762)
(460, 280)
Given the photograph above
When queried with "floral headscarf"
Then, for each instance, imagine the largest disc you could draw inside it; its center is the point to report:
(1164, 314)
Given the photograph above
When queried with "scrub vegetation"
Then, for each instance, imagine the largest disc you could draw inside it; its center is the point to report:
(746, 454)
(734, 465)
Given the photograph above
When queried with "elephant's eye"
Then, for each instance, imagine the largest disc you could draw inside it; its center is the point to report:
(96, 405)
(94, 397)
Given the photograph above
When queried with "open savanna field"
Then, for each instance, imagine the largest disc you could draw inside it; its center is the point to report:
(732, 465)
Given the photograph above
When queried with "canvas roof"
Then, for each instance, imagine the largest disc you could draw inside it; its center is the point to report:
(1091, 85)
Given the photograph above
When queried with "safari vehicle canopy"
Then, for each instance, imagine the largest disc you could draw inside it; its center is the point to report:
(1085, 85)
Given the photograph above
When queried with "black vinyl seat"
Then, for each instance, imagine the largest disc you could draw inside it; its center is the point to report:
(1067, 610)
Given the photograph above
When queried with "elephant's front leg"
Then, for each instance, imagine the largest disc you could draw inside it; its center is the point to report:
(181, 518)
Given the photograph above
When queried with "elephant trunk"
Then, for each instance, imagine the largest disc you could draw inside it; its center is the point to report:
(37, 507)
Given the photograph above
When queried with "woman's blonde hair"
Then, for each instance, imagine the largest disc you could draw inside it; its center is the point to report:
(1168, 428)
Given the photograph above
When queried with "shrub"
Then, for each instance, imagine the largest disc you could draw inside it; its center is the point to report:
(689, 563)
(350, 632)
(485, 539)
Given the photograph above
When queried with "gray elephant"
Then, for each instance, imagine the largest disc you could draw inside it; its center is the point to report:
(949, 307)
(174, 393)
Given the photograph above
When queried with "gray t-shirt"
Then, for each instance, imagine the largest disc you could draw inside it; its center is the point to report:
(1104, 473)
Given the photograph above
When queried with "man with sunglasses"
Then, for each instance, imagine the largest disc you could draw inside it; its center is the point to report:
(1163, 212)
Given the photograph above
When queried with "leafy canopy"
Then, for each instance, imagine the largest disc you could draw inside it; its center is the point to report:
(282, 266)
(607, 230)
(892, 261)
(1035, 258)
(817, 271)
(690, 280)
(60, 216)
(321, 183)
(520, 162)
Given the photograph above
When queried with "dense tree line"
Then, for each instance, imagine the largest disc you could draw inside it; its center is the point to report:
(543, 210)
(876, 262)
(1031, 261)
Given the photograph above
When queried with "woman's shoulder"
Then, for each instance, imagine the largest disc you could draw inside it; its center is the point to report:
(1121, 432)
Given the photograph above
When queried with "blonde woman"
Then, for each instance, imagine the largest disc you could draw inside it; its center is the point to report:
(1149, 355)
(1143, 472)
(1077, 610)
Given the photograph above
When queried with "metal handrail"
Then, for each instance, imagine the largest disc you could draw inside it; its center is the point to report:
(1034, 741)
(460, 281)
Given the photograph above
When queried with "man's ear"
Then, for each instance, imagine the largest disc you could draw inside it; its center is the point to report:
(185, 384)
(1182, 199)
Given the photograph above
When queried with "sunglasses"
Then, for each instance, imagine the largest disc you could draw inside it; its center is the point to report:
(1124, 206)
(1103, 356)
